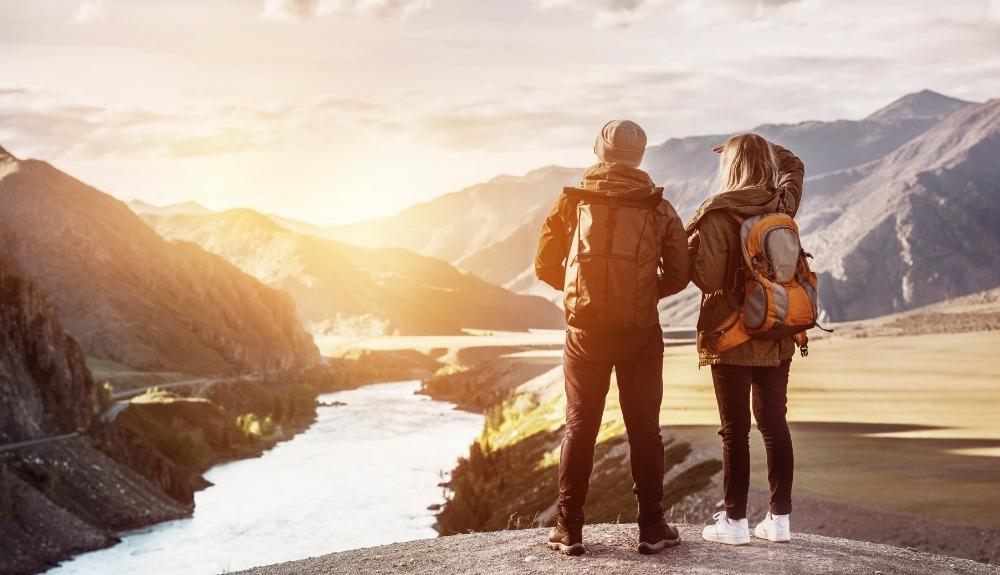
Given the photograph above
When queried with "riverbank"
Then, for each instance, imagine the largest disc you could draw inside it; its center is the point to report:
(373, 457)
(145, 465)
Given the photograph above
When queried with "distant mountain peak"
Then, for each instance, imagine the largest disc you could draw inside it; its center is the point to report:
(922, 104)
(250, 217)
(141, 207)
(4, 154)
(536, 174)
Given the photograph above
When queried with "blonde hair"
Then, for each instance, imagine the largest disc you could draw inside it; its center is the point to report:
(747, 161)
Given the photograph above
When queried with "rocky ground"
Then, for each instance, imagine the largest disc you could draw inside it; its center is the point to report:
(611, 551)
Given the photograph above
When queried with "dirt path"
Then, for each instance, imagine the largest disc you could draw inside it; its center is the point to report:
(611, 552)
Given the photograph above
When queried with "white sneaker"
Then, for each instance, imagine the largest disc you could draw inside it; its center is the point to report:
(728, 531)
(774, 528)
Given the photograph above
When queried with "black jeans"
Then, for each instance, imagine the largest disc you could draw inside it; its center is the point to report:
(769, 387)
(637, 358)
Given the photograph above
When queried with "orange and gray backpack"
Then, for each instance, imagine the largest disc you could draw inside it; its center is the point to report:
(780, 296)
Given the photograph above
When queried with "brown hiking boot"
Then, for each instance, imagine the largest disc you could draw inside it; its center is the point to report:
(567, 536)
(655, 536)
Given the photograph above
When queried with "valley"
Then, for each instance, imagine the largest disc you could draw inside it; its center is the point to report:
(342, 289)
(158, 342)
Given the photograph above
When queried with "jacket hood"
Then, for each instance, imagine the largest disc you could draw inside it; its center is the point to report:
(744, 202)
(627, 182)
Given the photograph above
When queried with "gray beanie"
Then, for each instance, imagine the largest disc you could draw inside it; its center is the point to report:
(621, 141)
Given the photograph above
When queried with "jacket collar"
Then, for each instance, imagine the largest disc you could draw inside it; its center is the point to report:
(744, 202)
(625, 181)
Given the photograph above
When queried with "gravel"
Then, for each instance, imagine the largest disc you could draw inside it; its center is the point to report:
(611, 551)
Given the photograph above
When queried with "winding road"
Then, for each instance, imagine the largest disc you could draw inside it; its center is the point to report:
(122, 402)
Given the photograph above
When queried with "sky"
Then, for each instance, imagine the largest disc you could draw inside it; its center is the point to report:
(333, 111)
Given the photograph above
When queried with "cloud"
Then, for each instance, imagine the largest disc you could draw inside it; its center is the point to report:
(607, 13)
(41, 125)
(993, 11)
(618, 13)
(89, 12)
(286, 10)
(227, 141)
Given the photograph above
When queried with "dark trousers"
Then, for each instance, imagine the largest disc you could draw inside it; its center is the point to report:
(734, 385)
(637, 358)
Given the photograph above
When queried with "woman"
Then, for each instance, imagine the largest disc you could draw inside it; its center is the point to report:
(754, 177)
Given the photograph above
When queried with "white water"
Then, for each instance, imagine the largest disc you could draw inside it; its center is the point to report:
(362, 475)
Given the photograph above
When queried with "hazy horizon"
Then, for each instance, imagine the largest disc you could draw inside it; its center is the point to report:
(334, 111)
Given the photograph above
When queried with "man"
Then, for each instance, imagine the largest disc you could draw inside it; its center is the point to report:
(615, 247)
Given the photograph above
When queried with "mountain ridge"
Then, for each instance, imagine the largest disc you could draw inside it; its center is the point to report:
(922, 104)
(129, 295)
(340, 288)
(840, 157)
(924, 218)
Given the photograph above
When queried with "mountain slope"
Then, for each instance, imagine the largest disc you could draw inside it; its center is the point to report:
(921, 226)
(922, 104)
(340, 288)
(456, 225)
(687, 170)
(129, 295)
(45, 385)
(141, 207)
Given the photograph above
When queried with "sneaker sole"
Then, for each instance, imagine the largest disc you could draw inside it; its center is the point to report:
(761, 534)
(654, 548)
(574, 549)
(728, 540)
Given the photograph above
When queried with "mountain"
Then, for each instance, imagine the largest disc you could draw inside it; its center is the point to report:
(140, 207)
(457, 225)
(921, 105)
(920, 226)
(686, 169)
(129, 295)
(339, 288)
(844, 160)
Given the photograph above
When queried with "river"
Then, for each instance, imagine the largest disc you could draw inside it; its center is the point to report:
(363, 474)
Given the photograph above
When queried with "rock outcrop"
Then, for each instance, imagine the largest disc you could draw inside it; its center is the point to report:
(45, 386)
(65, 496)
(611, 551)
